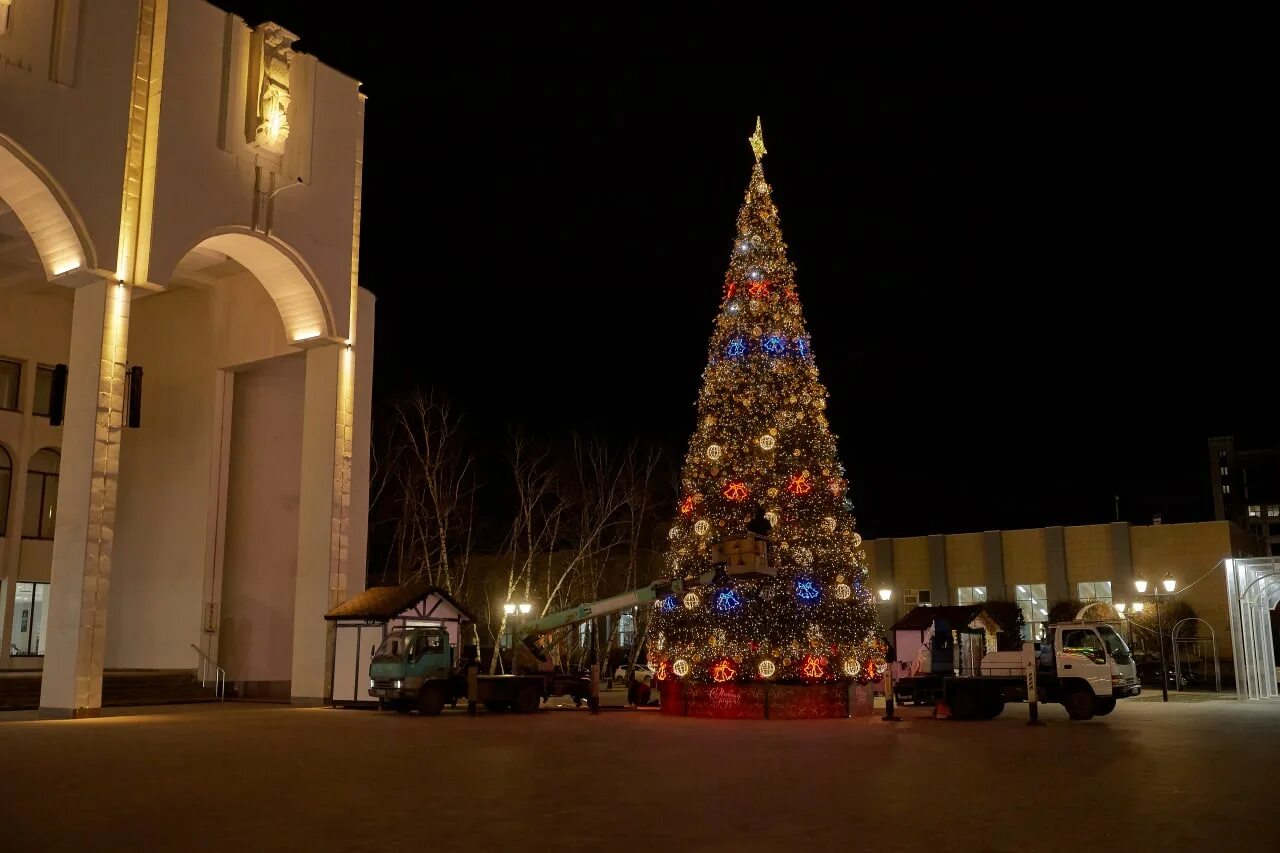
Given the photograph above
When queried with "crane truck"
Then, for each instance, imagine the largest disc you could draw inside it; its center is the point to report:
(1085, 666)
(419, 667)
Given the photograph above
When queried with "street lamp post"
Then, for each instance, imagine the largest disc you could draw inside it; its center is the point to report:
(891, 658)
(1169, 585)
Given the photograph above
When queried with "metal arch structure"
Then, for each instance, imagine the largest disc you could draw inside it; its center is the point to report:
(1253, 591)
(1213, 638)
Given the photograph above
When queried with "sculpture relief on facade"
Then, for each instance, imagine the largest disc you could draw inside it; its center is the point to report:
(271, 57)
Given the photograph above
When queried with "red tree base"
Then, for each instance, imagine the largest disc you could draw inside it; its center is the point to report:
(765, 701)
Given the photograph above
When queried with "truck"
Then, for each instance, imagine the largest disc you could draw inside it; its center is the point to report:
(419, 669)
(1084, 666)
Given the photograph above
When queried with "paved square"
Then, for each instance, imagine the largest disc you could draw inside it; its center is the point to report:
(1186, 776)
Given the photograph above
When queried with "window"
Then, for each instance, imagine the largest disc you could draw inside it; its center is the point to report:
(626, 630)
(10, 378)
(1034, 601)
(1226, 489)
(1094, 591)
(6, 479)
(30, 612)
(42, 495)
(1273, 511)
(1224, 470)
(44, 391)
(971, 594)
(1084, 642)
(1255, 511)
(916, 596)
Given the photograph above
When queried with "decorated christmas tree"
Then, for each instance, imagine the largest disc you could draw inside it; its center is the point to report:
(763, 516)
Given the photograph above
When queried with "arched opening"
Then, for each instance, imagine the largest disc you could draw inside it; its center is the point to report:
(283, 274)
(31, 194)
(1253, 591)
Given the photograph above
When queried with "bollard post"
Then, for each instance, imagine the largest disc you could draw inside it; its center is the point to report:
(473, 688)
(593, 703)
(888, 696)
(1033, 697)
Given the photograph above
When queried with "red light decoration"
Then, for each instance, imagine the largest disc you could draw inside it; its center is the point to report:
(663, 671)
(730, 288)
(759, 289)
(814, 667)
(800, 484)
(686, 505)
(736, 491)
(723, 670)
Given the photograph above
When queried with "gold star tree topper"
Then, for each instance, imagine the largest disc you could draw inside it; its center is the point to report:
(757, 141)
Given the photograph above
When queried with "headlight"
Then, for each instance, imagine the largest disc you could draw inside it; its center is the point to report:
(397, 683)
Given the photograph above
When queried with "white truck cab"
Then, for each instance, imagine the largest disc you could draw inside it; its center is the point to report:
(1085, 666)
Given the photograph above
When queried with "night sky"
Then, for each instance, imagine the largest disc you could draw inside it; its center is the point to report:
(1019, 242)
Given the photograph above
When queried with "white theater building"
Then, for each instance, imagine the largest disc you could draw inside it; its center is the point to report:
(179, 191)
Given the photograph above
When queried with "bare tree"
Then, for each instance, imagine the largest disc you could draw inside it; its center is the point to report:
(424, 471)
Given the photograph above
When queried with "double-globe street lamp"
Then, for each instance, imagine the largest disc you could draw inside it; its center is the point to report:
(1169, 585)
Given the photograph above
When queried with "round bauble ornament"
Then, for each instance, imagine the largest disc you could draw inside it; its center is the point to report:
(680, 667)
(691, 601)
(714, 451)
(857, 540)
(802, 556)
(674, 533)
(766, 669)
(850, 667)
(829, 524)
(772, 517)
(843, 591)
(702, 527)
(767, 442)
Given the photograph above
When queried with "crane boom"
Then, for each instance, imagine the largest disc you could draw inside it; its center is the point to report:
(613, 604)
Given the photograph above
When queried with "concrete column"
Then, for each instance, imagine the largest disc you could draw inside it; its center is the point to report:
(940, 590)
(359, 538)
(1055, 559)
(323, 514)
(993, 565)
(1122, 561)
(82, 545)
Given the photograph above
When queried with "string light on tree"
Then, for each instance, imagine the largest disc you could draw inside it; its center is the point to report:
(763, 445)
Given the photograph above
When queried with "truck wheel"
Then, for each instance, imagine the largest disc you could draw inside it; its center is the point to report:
(527, 699)
(1079, 703)
(1103, 705)
(992, 705)
(965, 704)
(430, 700)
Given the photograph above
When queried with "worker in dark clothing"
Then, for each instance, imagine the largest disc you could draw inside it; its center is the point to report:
(760, 525)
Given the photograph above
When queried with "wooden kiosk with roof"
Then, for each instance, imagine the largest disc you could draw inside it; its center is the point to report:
(362, 622)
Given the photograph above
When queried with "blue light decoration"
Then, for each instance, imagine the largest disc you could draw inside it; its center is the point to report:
(737, 347)
(727, 599)
(802, 346)
(669, 604)
(807, 590)
(775, 345)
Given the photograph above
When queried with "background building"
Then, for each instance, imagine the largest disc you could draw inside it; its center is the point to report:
(1040, 567)
(179, 191)
(1246, 488)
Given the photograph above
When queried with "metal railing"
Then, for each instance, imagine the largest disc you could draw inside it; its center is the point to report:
(209, 669)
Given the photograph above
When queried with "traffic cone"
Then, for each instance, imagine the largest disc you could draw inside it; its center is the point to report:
(941, 710)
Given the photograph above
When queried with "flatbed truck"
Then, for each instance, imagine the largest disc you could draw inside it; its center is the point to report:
(1084, 666)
